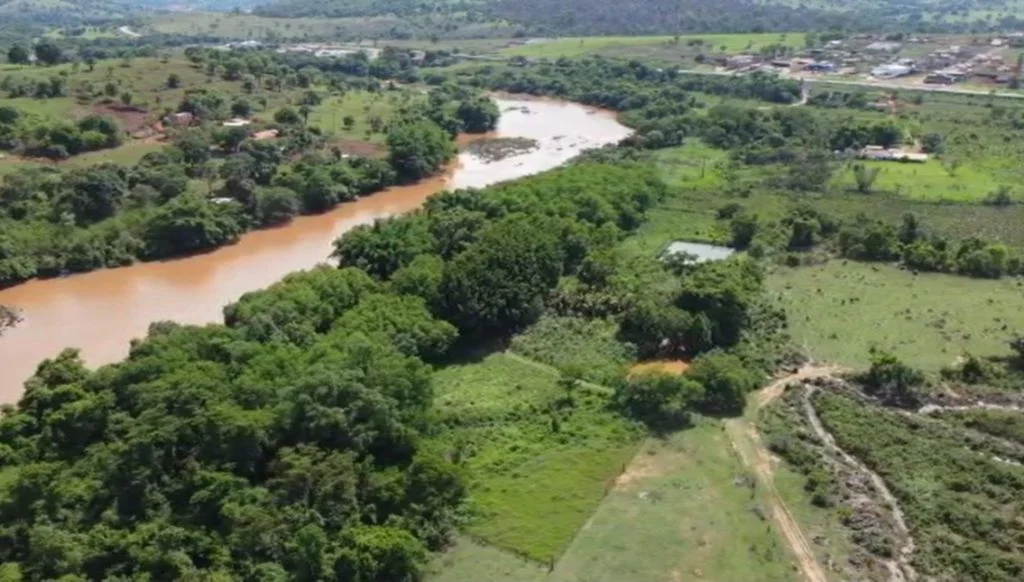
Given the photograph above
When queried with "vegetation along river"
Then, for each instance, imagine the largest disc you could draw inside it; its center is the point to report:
(100, 312)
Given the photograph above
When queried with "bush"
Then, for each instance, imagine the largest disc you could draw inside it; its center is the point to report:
(661, 401)
(726, 381)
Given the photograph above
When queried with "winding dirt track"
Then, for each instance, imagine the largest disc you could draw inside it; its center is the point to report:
(757, 458)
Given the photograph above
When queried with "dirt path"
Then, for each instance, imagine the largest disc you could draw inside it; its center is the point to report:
(756, 457)
(900, 569)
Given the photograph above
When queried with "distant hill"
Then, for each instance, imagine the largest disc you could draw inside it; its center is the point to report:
(50, 12)
(610, 17)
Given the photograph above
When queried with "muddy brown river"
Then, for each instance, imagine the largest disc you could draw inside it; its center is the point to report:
(100, 312)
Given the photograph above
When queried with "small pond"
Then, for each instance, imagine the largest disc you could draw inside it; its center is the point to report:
(702, 251)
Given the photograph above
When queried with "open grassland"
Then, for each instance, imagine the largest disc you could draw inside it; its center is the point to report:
(839, 310)
(541, 458)
(936, 181)
(361, 107)
(470, 561)
(685, 509)
(577, 46)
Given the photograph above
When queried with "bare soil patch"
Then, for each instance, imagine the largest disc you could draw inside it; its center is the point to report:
(132, 119)
(648, 463)
(665, 366)
(364, 149)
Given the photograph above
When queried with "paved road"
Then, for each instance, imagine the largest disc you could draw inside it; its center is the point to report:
(895, 86)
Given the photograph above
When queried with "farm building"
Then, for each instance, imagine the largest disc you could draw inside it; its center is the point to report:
(891, 71)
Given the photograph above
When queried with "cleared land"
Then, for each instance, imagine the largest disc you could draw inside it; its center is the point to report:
(839, 310)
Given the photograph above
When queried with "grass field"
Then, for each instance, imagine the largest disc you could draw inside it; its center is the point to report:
(470, 561)
(128, 155)
(361, 106)
(575, 343)
(932, 181)
(684, 510)
(535, 479)
(928, 320)
(576, 46)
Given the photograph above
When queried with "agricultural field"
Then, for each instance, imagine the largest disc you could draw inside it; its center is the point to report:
(542, 458)
(839, 310)
(127, 155)
(382, 26)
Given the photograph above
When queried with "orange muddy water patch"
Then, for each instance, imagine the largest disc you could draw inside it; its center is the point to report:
(100, 312)
(667, 366)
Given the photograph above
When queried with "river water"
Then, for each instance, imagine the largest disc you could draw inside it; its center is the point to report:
(100, 312)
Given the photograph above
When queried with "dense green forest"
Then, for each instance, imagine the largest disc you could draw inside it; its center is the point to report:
(286, 444)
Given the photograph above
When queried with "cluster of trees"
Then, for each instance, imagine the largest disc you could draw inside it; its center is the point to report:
(273, 70)
(21, 86)
(864, 239)
(46, 53)
(56, 138)
(109, 215)
(217, 453)
(658, 103)
(914, 247)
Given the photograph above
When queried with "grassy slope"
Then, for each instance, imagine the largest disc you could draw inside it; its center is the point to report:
(928, 319)
(532, 487)
(682, 511)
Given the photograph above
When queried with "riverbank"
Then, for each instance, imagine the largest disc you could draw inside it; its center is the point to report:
(101, 311)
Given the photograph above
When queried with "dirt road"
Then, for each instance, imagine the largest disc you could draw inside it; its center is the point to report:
(747, 443)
